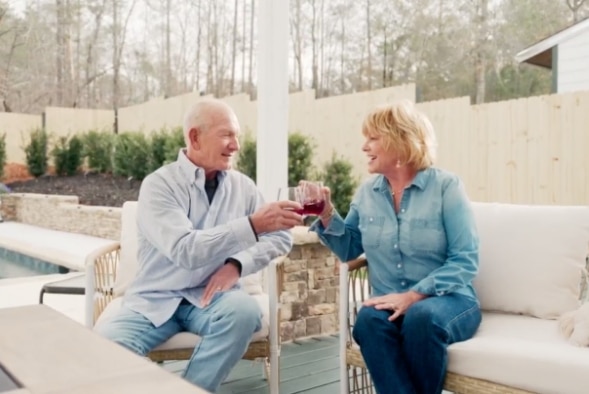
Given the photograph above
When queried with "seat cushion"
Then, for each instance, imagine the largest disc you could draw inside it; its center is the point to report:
(252, 284)
(188, 340)
(531, 257)
(522, 352)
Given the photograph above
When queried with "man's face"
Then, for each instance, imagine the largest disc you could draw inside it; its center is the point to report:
(215, 146)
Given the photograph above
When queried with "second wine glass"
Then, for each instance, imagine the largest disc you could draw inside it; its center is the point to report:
(291, 194)
(312, 197)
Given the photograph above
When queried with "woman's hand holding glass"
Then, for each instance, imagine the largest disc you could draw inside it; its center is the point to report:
(316, 199)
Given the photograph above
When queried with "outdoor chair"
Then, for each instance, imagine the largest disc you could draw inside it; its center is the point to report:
(533, 269)
(109, 272)
(353, 373)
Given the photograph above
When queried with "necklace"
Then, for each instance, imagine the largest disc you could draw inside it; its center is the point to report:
(399, 191)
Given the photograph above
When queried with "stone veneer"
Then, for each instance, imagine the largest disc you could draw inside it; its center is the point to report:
(309, 291)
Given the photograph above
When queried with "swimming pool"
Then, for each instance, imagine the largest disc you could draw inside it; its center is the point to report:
(17, 265)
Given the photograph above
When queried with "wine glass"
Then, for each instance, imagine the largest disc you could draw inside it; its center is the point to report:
(312, 197)
(291, 194)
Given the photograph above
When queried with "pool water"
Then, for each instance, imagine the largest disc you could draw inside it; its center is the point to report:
(16, 265)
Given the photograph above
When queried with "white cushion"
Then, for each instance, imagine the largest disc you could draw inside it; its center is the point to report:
(128, 258)
(188, 340)
(531, 257)
(252, 284)
(522, 352)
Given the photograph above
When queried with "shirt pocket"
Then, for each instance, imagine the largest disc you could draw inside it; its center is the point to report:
(428, 236)
(371, 229)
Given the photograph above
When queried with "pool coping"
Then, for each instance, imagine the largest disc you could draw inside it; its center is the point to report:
(68, 250)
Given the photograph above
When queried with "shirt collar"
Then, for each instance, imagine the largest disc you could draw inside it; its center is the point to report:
(192, 172)
(420, 181)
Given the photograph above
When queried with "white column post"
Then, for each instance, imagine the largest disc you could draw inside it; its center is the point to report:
(272, 133)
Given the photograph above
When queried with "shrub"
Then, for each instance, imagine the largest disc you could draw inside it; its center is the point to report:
(157, 147)
(300, 158)
(98, 150)
(246, 159)
(36, 152)
(131, 155)
(174, 143)
(67, 155)
(2, 154)
(337, 175)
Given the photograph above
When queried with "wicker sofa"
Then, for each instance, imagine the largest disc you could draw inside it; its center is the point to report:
(110, 270)
(533, 264)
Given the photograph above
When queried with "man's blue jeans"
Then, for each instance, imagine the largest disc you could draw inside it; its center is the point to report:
(409, 355)
(226, 326)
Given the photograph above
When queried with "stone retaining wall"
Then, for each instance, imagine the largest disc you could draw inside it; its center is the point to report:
(309, 293)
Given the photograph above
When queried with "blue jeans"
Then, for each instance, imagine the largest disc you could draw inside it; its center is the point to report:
(226, 326)
(409, 355)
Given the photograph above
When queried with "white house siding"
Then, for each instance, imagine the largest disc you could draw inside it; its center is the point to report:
(573, 64)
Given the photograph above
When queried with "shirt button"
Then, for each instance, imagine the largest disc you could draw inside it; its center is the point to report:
(370, 220)
(395, 246)
(403, 210)
(403, 283)
(399, 265)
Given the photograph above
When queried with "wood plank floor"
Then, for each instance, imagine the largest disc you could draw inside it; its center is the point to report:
(306, 366)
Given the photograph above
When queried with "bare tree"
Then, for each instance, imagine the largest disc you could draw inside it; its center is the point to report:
(64, 67)
(168, 89)
(251, 59)
(482, 8)
(574, 6)
(119, 33)
(368, 47)
(234, 48)
(297, 45)
(198, 46)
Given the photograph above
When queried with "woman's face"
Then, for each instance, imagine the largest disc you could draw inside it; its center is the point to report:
(380, 160)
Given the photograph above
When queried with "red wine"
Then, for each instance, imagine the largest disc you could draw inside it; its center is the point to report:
(313, 207)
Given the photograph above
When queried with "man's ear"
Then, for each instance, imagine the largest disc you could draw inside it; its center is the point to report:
(194, 137)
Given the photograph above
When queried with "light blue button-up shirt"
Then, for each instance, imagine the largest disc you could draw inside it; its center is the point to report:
(183, 240)
(430, 246)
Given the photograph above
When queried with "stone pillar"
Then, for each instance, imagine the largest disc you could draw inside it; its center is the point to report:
(9, 206)
(309, 294)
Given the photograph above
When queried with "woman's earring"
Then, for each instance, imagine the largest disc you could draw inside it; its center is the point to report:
(398, 165)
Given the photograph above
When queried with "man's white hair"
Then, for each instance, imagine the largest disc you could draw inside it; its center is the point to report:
(198, 115)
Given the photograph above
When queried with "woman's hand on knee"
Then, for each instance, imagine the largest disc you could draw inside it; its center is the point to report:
(397, 303)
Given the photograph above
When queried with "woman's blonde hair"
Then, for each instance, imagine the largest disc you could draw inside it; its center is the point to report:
(405, 131)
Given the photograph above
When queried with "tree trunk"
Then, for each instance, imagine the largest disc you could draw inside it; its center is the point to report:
(198, 46)
(481, 51)
(233, 48)
(251, 61)
(243, 29)
(368, 46)
(314, 71)
(115, 58)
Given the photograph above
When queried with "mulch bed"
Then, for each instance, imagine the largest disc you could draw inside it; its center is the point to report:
(92, 189)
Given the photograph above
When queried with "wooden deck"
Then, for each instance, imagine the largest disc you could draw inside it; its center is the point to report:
(306, 366)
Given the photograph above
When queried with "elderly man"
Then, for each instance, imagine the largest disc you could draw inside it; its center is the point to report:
(201, 226)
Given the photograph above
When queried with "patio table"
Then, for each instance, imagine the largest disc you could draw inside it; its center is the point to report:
(45, 352)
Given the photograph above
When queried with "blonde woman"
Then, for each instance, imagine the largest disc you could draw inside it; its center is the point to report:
(415, 225)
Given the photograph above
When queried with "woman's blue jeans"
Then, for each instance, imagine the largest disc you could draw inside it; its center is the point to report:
(409, 355)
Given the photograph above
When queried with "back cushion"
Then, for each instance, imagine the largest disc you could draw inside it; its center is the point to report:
(531, 257)
(127, 267)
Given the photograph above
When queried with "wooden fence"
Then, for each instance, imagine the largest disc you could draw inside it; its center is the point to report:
(532, 150)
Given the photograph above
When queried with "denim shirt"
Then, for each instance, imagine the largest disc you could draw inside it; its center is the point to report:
(430, 246)
(183, 240)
